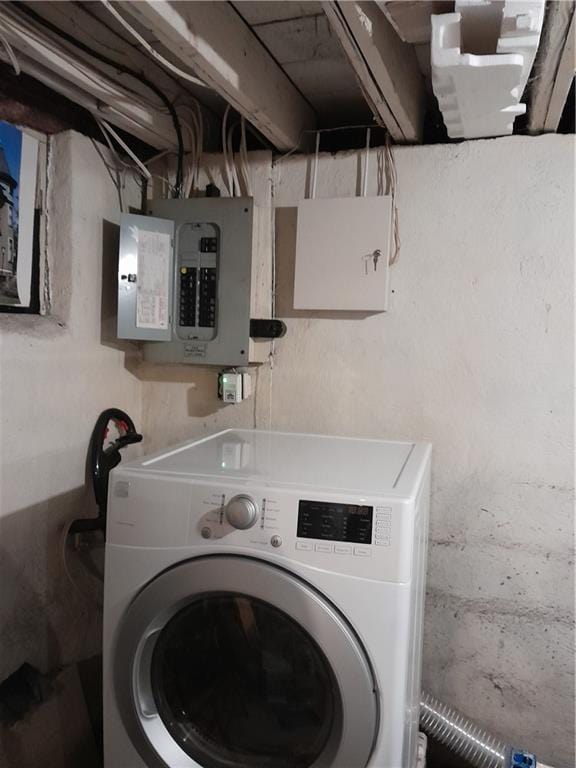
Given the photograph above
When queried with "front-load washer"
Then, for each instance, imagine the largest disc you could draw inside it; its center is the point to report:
(263, 603)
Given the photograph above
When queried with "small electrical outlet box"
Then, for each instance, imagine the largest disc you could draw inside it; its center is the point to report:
(234, 387)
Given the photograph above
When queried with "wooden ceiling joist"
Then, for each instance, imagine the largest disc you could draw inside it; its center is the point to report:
(42, 56)
(386, 67)
(564, 77)
(213, 40)
(554, 68)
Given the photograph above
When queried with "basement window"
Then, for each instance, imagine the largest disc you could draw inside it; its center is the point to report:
(21, 154)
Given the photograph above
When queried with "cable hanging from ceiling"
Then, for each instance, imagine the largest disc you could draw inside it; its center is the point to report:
(152, 51)
(126, 70)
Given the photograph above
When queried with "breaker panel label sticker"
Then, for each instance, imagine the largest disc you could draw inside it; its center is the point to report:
(152, 287)
(195, 350)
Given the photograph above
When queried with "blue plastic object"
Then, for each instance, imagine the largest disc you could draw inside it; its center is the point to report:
(520, 759)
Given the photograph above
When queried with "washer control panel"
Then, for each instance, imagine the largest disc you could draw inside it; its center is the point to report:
(350, 535)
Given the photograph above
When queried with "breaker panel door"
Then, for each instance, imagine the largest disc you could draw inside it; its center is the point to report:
(145, 278)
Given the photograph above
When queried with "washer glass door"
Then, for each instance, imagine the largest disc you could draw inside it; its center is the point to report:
(231, 662)
(238, 683)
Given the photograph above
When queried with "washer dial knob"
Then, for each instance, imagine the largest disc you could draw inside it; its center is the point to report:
(242, 512)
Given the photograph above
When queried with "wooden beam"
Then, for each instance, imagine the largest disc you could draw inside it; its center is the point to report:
(386, 67)
(564, 78)
(93, 25)
(555, 36)
(43, 57)
(411, 19)
(212, 39)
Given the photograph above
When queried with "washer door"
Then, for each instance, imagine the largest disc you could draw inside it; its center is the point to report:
(230, 662)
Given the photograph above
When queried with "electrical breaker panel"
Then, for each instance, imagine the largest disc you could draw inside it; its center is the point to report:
(191, 277)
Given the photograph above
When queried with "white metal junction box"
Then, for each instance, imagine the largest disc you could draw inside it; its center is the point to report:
(342, 253)
(191, 276)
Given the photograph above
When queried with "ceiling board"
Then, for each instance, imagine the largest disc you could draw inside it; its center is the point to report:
(325, 77)
(411, 20)
(306, 39)
(266, 12)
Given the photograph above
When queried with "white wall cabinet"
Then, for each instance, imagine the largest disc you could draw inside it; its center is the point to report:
(342, 254)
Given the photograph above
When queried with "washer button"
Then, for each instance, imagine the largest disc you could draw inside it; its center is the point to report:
(342, 549)
(206, 532)
(362, 551)
(323, 547)
(305, 545)
(276, 541)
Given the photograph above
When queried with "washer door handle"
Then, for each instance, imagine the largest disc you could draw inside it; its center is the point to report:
(142, 684)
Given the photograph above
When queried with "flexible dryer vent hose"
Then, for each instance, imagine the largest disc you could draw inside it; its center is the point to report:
(468, 740)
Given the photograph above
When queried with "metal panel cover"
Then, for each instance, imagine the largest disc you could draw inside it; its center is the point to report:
(145, 278)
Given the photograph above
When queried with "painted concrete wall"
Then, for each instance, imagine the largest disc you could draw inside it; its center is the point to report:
(57, 374)
(475, 355)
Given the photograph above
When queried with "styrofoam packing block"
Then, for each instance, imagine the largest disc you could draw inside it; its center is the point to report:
(519, 23)
(479, 95)
(521, 28)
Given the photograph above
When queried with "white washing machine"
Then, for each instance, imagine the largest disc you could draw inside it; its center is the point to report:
(263, 604)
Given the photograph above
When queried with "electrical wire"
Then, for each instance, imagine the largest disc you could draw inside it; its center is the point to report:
(10, 53)
(236, 191)
(244, 157)
(46, 24)
(391, 185)
(337, 128)
(315, 172)
(228, 182)
(152, 51)
(108, 128)
(367, 158)
(197, 135)
(112, 171)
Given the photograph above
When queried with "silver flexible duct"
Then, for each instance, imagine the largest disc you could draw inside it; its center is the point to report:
(468, 740)
(460, 734)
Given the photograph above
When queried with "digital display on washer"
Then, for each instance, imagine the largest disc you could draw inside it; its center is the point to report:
(335, 522)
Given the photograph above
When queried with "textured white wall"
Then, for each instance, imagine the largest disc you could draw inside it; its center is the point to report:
(476, 355)
(57, 374)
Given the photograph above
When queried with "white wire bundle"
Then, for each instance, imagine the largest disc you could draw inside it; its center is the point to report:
(195, 139)
(367, 158)
(195, 132)
(10, 53)
(152, 51)
(391, 184)
(230, 175)
(107, 128)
